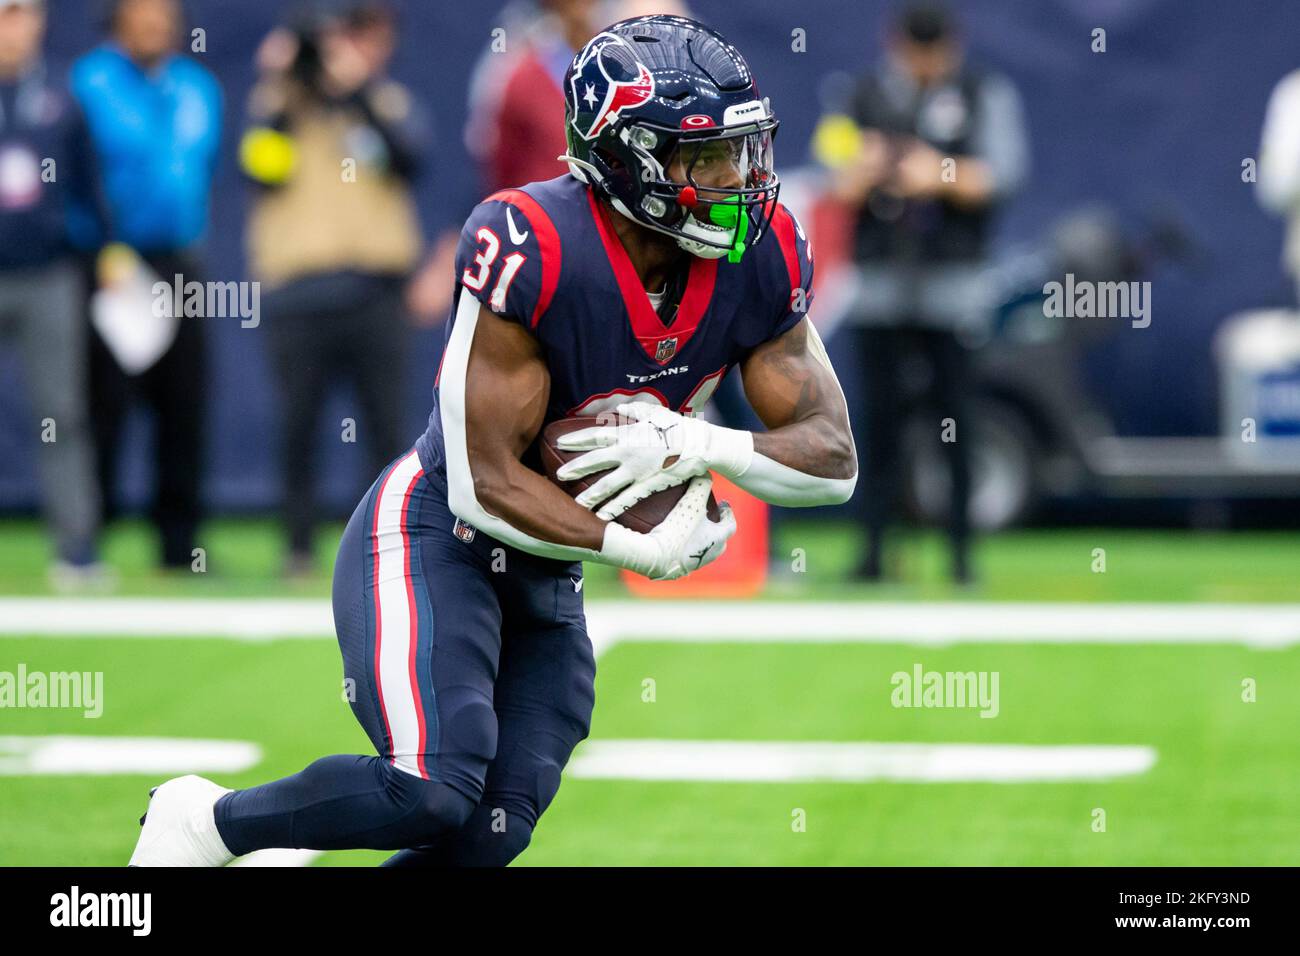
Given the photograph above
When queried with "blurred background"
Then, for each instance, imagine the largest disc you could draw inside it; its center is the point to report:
(1135, 170)
(971, 180)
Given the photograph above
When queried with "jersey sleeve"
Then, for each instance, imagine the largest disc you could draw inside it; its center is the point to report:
(794, 273)
(509, 257)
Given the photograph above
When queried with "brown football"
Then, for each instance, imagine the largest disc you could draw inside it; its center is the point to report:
(642, 516)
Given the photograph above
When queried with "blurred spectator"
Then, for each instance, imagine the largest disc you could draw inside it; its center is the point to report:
(938, 145)
(155, 121)
(516, 119)
(47, 191)
(1279, 164)
(333, 236)
(516, 127)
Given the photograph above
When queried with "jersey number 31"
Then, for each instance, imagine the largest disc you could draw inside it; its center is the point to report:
(476, 276)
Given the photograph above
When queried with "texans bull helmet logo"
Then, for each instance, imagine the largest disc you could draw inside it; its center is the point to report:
(607, 80)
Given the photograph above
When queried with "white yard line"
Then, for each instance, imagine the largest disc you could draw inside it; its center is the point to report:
(1260, 625)
(247, 619)
(735, 761)
(279, 858)
(160, 757)
(163, 756)
(950, 622)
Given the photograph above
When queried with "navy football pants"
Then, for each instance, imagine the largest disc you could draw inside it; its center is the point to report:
(468, 665)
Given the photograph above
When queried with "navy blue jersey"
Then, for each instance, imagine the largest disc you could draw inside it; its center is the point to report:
(546, 256)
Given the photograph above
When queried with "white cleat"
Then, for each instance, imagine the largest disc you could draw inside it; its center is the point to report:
(178, 828)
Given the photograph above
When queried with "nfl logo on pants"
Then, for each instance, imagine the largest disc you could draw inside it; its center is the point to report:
(667, 349)
(463, 531)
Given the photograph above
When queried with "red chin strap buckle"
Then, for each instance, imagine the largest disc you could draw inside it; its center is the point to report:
(687, 197)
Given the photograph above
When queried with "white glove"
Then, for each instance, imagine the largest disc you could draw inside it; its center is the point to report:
(638, 449)
(685, 541)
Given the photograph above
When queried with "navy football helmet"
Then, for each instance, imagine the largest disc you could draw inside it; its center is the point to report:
(663, 117)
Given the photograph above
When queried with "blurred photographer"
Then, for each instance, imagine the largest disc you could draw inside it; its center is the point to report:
(937, 146)
(334, 146)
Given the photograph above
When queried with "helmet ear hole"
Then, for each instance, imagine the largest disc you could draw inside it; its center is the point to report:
(608, 158)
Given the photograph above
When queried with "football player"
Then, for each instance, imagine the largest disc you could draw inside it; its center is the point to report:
(632, 285)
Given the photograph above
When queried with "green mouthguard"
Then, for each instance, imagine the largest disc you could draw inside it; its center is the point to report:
(726, 214)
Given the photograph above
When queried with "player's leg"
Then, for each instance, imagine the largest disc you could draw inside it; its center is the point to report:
(419, 628)
(544, 697)
(402, 583)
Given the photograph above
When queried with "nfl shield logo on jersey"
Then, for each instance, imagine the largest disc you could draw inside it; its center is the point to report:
(666, 349)
(463, 531)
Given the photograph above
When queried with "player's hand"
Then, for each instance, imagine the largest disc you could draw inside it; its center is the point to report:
(709, 539)
(685, 541)
(654, 449)
(636, 449)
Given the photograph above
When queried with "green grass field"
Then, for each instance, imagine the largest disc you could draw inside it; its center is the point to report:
(1225, 787)
(244, 560)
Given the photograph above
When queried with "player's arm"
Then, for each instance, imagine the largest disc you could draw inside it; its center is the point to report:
(805, 459)
(493, 393)
(506, 389)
